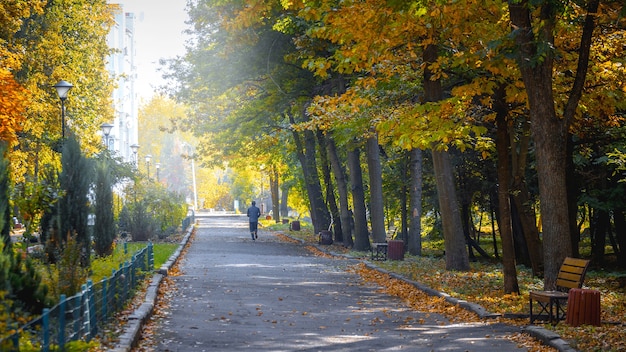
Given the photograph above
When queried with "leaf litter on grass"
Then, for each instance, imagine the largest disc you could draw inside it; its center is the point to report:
(484, 285)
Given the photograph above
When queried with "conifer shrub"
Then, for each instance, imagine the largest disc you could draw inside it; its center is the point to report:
(104, 228)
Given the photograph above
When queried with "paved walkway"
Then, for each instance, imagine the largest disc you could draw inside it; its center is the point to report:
(237, 294)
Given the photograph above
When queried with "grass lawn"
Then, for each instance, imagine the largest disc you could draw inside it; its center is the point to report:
(103, 267)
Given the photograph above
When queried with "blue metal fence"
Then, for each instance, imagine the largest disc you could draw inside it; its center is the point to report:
(188, 220)
(79, 317)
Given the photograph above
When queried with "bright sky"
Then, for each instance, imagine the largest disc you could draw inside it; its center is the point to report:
(159, 27)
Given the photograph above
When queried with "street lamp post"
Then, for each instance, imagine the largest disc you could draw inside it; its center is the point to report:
(63, 87)
(106, 130)
(148, 158)
(134, 148)
(158, 167)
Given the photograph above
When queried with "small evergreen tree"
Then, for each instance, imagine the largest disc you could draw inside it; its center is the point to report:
(75, 179)
(104, 229)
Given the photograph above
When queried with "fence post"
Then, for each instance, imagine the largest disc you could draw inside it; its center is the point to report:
(92, 310)
(62, 308)
(45, 318)
(79, 316)
(103, 305)
(126, 272)
(133, 271)
(84, 317)
(150, 257)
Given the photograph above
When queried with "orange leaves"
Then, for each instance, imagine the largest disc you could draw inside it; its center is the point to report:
(415, 298)
(13, 100)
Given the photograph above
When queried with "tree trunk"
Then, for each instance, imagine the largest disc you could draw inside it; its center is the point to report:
(342, 190)
(466, 223)
(548, 130)
(306, 156)
(573, 192)
(330, 189)
(273, 173)
(598, 244)
(415, 201)
(506, 230)
(377, 212)
(284, 196)
(456, 255)
(361, 234)
(619, 216)
(403, 198)
(549, 134)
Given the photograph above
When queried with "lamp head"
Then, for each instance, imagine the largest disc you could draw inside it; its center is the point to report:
(106, 128)
(63, 87)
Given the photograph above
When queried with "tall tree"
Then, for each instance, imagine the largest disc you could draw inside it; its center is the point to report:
(361, 233)
(377, 213)
(534, 26)
(342, 190)
(504, 200)
(415, 203)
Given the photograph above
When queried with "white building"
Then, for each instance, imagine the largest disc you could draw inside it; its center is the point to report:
(121, 64)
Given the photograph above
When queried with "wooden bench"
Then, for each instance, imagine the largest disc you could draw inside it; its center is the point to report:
(379, 251)
(553, 303)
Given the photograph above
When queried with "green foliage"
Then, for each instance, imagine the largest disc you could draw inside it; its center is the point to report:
(104, 227)
(18, 279)
(71, 274)
(34, 197)
(5, 209)
(27, 289)
(140, 224)
(75, 179)
(152, 211)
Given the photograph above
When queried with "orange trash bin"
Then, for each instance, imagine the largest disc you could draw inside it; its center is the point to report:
(395, 250)
(583, 307)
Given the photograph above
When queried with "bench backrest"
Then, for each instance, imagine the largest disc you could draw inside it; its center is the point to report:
(572, 273)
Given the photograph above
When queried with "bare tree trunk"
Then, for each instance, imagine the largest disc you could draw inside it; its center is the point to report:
(415, 222)
(549, 130)
(330, 189)
(619, 217)
(522, 202)
(361, 234)
(342, 190)
(377, 212)
(306, 156)
(284, 196)
(273, 172)
(456, 255)
(504, 180)
(573, 192)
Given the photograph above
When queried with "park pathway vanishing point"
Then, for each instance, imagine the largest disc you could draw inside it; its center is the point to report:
(236, 294)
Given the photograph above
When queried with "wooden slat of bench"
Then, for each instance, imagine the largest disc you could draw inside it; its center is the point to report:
(572, 273)
(573, 269)
(581, 263)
